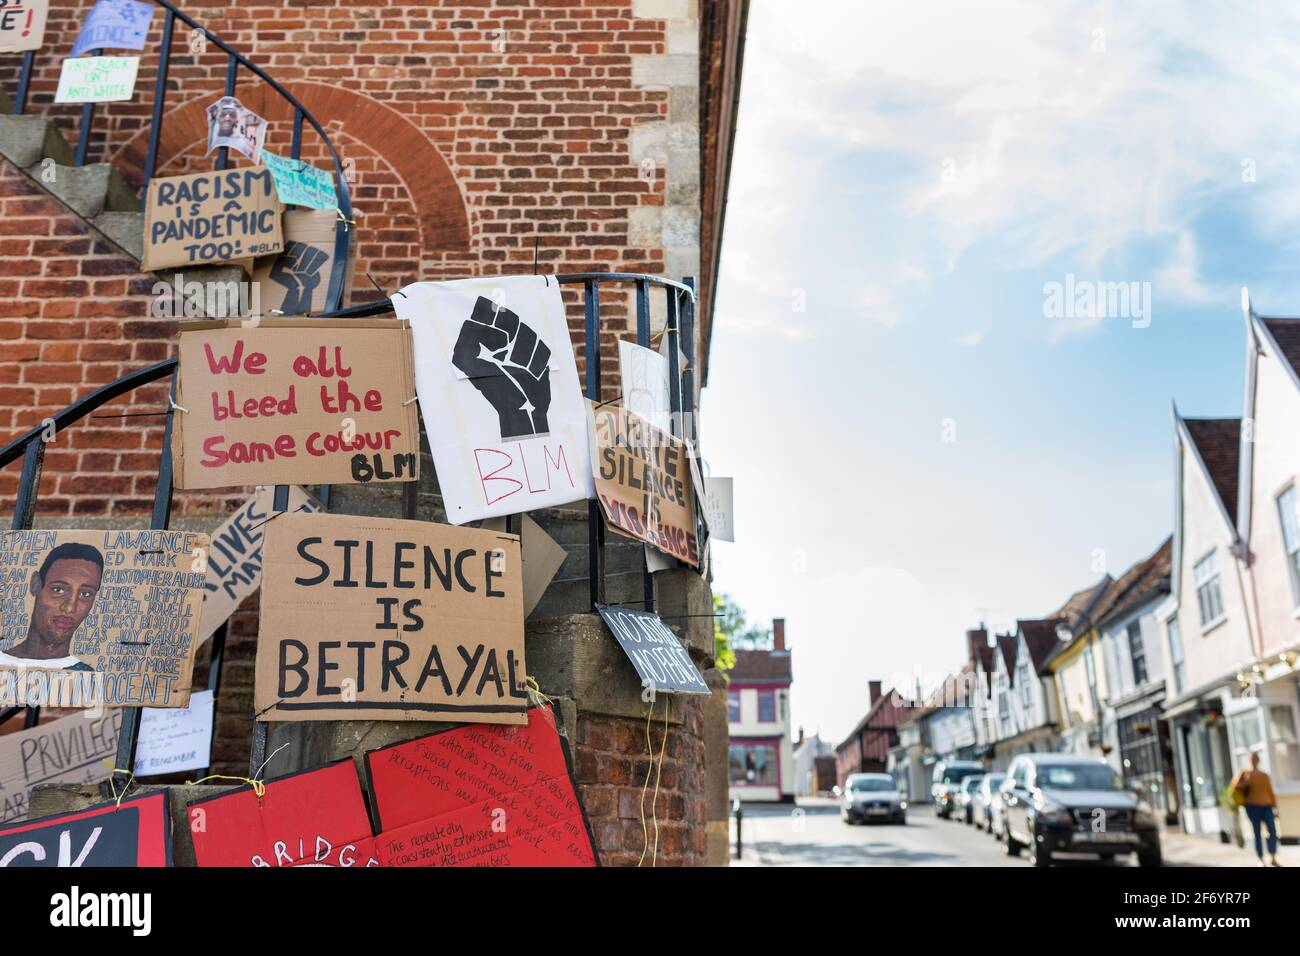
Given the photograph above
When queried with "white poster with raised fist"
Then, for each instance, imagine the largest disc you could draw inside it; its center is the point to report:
(499, 393)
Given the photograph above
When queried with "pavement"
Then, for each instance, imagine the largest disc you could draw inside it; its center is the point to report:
(812, 834)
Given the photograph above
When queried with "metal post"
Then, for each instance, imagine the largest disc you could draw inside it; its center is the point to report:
(159, 96)
(740, 816)
(295, 148)
(643, 340)
(261, 729)
(83, 136)
(24, 512)
(688, 350)
(595, 519)
(129, 733)
(232, 68)
(674, 364)
(24, 81)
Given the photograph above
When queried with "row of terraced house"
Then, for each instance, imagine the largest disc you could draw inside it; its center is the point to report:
(1174, 671)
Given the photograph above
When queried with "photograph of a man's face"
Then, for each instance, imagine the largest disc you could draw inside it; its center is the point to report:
(64, 590)
(234, 125)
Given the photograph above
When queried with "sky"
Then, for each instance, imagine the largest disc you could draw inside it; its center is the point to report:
(923, 435)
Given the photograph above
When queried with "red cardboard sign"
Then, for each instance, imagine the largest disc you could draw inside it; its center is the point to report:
(313, 818)
(137, 833)
(480, 795)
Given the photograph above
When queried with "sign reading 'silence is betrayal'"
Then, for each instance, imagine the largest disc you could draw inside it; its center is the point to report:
(377, 619)
(295, 401)
(655, 652)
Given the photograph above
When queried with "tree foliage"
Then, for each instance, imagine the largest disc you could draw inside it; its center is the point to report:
(732, 632)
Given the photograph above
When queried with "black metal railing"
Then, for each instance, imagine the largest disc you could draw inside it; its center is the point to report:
(679, 329)
(234, 61)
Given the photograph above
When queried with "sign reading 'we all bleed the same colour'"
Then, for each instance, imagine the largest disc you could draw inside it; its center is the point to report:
(295, 402)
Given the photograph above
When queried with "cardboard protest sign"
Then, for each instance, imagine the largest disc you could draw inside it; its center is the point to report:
(116, 25)
(480, 796)
(542, 558)
(68, 750)
(644, 375)
(235, 561)
(643, 481)
(374, 619)
(295, 401)
(136, 833)
(232, 124)
(299, 183)
(498, 386)
(97, 79)
(175, 739)
(717, 500)
(296, 281)
(99, 617)
(222, 216)
(656, 653)
(22, 25)
(313, 818)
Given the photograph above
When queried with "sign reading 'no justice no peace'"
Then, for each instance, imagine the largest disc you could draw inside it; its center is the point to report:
(658, 656)
(373, 619)
(295, 401)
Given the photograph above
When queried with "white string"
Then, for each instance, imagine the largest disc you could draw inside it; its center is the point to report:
(171, 403)
(257, 775)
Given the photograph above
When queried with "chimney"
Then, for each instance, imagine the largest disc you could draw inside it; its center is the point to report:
(873, 692)
(778, 633)
(974, 639)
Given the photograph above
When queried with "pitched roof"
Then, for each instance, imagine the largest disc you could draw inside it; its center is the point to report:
(1286, 333)
(762, 665)
(1146, 577)
(1040, 638)
(1007, 645)
(1218, 440)
(1082, 604)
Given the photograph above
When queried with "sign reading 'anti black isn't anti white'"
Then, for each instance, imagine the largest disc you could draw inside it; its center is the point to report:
(655, 652)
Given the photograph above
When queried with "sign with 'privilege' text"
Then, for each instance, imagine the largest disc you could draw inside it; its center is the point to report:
(68, 750)
(374, 619)
(295, 401)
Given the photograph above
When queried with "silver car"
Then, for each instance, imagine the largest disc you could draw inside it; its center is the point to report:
(872, 796)
(985, 805)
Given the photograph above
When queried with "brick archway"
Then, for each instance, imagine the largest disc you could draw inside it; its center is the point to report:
(433, 188)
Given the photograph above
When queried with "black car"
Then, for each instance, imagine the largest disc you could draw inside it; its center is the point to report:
(1054, 803)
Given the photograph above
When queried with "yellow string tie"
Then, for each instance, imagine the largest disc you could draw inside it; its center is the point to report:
(654, 800)
(130, 778)
(258, 786)
(535, 691)
(650, 751)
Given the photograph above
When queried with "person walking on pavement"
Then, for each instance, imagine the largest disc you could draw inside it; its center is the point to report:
(1254, 790)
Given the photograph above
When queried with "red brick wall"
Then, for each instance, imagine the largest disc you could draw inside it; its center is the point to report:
(463, 158)
(611, 760)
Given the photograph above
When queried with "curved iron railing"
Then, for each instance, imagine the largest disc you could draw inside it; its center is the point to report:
(234, 60)
(679, 329)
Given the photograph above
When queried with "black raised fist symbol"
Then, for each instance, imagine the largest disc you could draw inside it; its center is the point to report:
(509, 364)
(298, 270)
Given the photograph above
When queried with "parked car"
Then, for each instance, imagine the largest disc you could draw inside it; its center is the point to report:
(963, 806)
(872, 796)
(984, 805)
(1054, 803)
(947, 777)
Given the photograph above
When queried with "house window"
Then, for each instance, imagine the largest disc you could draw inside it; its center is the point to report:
(1286, 746)
(1208, 596)
(733, 706)
(753, 764)
(1289, 511)
(1022, 676)
(1137, 653)
(1004, 712)
(1176, 654)
(766, 706)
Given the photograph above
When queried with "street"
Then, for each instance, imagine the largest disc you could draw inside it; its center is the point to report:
(813, 834)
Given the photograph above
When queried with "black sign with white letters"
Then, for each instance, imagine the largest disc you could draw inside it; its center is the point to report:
(654, 650)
